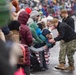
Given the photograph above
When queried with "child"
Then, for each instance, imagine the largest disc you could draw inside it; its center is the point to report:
(48, 36)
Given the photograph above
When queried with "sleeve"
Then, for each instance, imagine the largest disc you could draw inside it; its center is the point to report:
(36, 36)
(37, 49)
(29, 37)
(41, 36)
(71, 23)
(61, 34)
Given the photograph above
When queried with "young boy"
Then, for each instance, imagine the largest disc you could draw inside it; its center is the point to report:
(48, 36)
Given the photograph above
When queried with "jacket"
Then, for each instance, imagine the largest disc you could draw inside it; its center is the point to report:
(25, 33)
(66, 33)
(69, 21)
(38, 31)
(15, 36)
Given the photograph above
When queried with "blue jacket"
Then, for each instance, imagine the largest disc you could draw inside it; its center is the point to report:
(39, 33)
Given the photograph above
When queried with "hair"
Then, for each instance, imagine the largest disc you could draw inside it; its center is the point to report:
(14, 25)
(64, 11)
(41, 25)
(15, 4)
(55, 20)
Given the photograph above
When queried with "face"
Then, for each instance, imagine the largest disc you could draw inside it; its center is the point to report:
(49, 36)
(48, 23)
(63, 15)
(52, 27)
(36, 18)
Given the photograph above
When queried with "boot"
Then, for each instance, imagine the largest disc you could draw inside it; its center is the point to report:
(70, 68)
(61, 66)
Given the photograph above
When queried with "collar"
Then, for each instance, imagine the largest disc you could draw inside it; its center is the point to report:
(58, 25)
(66, 18)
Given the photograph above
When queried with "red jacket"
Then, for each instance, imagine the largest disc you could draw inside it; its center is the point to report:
(25, 33)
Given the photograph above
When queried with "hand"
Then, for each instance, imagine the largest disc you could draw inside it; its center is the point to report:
(45, 47)
(52, 41)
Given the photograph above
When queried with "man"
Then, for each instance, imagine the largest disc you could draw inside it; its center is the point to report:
(67, 34)
(70, 22)
(67, 19)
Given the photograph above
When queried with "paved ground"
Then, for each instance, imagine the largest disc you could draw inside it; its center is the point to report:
(54, 61)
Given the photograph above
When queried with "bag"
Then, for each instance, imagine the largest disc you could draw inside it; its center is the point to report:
(20, 72)
(21, 60)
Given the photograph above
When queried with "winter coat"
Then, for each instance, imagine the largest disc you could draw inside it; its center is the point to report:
(35, 36)
(70, 21)
(25, 33)
(38, 31)
(66, 33)
(15, 36)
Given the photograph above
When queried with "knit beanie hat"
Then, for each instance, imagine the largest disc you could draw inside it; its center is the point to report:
(28, 10)
(4, 12)
(45, 32)
(34, 14)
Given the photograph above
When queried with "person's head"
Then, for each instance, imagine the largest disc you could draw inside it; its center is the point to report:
(34, 15)
(14, 25)
(49, 19)
(47, 34)
(64, 13)
(16, 5)
(41, 25)
(54, 23)
(23, 17)
(28, 10)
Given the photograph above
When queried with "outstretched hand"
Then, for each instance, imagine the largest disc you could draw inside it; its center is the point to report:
(52, 41)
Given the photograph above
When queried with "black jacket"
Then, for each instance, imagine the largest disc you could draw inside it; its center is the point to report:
(66, 33)
(70, 21)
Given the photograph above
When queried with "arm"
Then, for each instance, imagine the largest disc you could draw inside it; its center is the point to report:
(61, 34)
(71, 23)
(35, 36)
(28, 37)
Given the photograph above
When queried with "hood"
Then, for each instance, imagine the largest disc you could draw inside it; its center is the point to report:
(30, 21)
(34, 14)
(23, 17)
(45, 32)
(34, 25)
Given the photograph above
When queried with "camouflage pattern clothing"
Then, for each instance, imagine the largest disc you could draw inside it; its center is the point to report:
(67, 49)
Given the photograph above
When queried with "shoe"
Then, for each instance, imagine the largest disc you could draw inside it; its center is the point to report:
(61, 67)
(70, 68)
(42, 69)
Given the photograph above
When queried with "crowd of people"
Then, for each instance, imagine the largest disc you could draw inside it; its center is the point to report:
(52, 7)
(26, 37)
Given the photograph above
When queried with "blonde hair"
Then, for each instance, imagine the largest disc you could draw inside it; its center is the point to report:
(55, 20)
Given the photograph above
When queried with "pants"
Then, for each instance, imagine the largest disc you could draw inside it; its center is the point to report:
(67, 49)
(41, 56)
